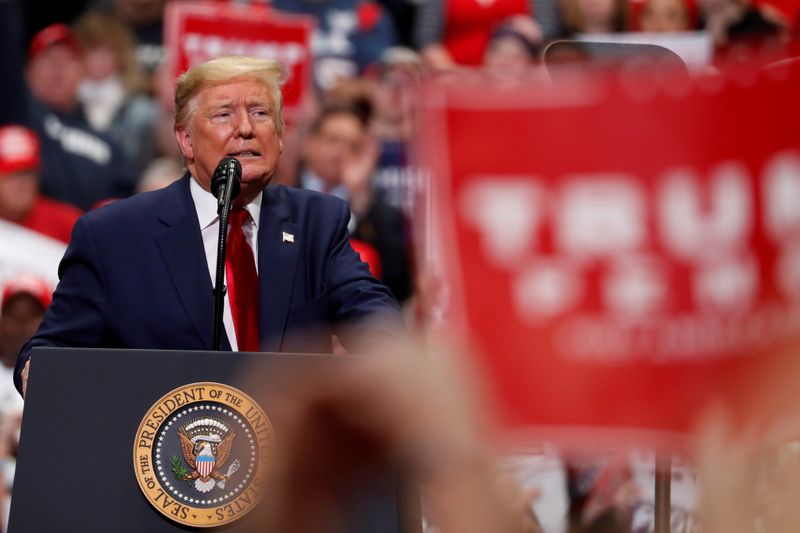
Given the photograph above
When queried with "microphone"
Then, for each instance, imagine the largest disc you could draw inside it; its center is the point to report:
(226, 182)
(225, 185)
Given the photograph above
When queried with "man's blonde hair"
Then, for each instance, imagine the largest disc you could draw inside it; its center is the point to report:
(189, 84)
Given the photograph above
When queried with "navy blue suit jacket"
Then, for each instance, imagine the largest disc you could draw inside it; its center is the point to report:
(135, 276)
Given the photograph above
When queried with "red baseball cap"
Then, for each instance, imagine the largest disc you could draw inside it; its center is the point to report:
(19, 149)
(53, 34)
(27, 284)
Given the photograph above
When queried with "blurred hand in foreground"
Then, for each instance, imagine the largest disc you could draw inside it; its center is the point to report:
(402, 410)
(746, 483)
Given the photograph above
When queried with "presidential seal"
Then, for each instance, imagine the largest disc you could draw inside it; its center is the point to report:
(200, 454)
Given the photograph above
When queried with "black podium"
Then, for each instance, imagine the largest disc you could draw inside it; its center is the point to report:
(82, 414)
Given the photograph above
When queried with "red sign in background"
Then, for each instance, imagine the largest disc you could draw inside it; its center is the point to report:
(622, 255)
(198, 31)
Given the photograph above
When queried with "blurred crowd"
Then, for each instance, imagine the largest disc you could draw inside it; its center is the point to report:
(86, 118)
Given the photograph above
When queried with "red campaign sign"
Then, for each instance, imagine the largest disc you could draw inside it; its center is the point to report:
(198, 31)
(621, 258)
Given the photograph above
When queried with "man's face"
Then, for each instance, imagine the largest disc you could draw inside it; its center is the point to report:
(54, 75)
(19, 321)
(340, 138)
(234, 118)
(18, 193)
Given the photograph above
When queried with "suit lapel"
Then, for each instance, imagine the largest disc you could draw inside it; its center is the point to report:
(278, 249)
(181, 245)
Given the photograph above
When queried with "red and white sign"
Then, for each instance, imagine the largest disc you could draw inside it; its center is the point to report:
(198, 31)
(620, 258)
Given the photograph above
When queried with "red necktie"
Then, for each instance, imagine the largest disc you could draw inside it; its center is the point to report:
(240, 271)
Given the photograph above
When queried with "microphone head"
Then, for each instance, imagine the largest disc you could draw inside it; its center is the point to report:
(227, 167)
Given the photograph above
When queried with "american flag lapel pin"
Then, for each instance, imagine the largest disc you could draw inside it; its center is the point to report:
(288, 237)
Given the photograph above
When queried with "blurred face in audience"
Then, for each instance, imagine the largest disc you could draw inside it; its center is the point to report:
(597, 15)
(19, 320)
(53, 76)
(18, 193)
(664, 16)
(339, 138)
(507, 56)
(394, 94)
(101, 62)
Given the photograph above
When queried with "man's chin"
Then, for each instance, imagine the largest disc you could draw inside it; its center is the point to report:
(258, 179)
(250, 188)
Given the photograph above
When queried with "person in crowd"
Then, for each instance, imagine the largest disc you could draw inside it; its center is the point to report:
(339, 158)
(350, 36)
(394, 96)
(594, 16)
(139, 272)
(20, 201)
(23, 301)
(25, 298)
(79, 165)
(112, 91)
(455, 32)
(664, 16)
(511, 51)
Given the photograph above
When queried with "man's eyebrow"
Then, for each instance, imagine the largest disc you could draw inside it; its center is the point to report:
(222, 103)
(250, 103)
(258, 101)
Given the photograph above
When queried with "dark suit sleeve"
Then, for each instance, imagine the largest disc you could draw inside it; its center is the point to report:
(76, 315)
(363, 308)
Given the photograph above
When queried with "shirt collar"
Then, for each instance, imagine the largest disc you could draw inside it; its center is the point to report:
(206, 205)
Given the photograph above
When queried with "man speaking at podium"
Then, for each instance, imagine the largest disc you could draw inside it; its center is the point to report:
(139, 273)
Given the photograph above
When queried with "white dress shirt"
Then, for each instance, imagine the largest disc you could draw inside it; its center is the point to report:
(206, 206)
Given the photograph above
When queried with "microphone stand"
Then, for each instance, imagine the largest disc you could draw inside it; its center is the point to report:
(224, 211)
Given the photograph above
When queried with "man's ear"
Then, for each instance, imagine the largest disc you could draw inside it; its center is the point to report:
(185, 142)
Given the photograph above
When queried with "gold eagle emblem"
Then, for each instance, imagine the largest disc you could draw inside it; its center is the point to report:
(206, 448)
